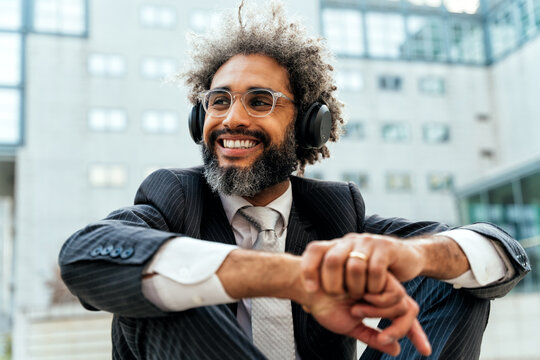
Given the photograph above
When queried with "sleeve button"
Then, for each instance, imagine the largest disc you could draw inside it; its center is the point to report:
(107, 250)
(127, 253)
(116, 252)
(96, 251)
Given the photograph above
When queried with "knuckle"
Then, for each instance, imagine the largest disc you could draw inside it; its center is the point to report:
(356, 269)
(332, 261)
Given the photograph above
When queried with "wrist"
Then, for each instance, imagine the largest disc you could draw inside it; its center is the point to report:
(442, 258)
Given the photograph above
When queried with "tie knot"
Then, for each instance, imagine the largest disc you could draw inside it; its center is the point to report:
(263, 218)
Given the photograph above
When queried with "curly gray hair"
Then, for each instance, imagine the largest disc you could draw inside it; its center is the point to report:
(269, 32)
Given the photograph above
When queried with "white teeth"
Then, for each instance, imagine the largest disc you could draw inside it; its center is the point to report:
(238, 144)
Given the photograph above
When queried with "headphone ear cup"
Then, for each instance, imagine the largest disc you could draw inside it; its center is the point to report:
(196, 122)
(314, 126)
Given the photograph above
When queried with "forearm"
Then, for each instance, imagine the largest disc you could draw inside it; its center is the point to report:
(442, 258)
(248, 273)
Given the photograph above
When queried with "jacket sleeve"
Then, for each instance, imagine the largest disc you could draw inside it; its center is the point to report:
(102, 263)
(404, 229)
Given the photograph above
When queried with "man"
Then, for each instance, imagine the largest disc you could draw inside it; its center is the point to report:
(254, 87)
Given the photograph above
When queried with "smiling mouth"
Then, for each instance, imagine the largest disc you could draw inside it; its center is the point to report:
(238, 144)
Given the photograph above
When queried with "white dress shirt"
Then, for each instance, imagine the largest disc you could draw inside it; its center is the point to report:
(186, 268)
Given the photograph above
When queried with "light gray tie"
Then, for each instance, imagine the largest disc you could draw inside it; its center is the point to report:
(271, 318)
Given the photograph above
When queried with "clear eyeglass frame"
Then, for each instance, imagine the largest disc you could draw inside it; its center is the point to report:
(206, 95)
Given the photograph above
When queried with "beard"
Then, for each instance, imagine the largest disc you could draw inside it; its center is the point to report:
(273, 166)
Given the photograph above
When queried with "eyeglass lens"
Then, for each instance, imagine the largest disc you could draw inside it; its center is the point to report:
(259, 102)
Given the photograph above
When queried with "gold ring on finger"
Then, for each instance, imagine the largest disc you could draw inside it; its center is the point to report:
(358, 255)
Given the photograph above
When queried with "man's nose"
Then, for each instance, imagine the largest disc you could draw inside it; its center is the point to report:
(237, 116)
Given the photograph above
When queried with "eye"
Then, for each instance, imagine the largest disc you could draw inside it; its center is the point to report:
(219, 99)
(260, 100)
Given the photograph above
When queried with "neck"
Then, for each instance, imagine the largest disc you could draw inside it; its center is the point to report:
(269, 194)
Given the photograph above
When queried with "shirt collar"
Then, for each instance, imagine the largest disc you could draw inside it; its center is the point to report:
(283, 205)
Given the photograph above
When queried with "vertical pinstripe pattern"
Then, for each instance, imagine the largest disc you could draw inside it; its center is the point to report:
(174, 202)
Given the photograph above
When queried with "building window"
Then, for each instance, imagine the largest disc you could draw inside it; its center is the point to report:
(10, 14)
(426, 38)
(349, 80)
(319, 175)
(360, 179)
(436, 133)
(10, 127)
(157, 68)
(395, 132)
(398, 181)
(60, 16)
(440, 181)
(202, 20)
(100, 175)
(113, 120)
(503, 30)
(462, 6)
(343, 30)
(432, 85)
(390, 83)
(386, 35)
(154, 121)
(10, 59)
(157, 16)
(466, 42)
(354, 130)
(106, 65)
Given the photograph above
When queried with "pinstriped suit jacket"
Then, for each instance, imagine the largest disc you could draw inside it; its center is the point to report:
(176, 202)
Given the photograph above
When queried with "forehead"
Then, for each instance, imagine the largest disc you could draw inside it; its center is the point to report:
(242, 72)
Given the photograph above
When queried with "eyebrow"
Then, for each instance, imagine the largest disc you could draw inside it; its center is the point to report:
(250, 88)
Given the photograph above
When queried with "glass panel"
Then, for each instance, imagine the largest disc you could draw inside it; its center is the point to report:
(395, 132)
(160, 122)
(524, 18)
(501, 205)
(113, 120)
(10, 59)
(107, 175)
(386, 35)
(398, 182)
(436, 133)
(503, 31)
(359, 179)
(354, 130)
(157, 16)
(432, 85)
(106, 65)
(426, 38)
(440, 181)
(349, 80)
(202, 20)
(60, 16)
(462, 6)
(473, 209)
(157, 68)
(390, 83)
(530, 190)
(466, 42)
(343, 30)
(536, 10)
(10, 14)
(429, 3)
(10, 127)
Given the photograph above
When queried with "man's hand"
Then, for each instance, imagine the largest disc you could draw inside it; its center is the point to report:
(343, 315)
(328, 265)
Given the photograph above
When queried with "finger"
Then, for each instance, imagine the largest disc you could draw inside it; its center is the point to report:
(356, 276)
(369, 311)
(392, 294)
(377, 270)
(311, 262)
(419, 339)
(333, 267)
(369, 336)
(401, 325)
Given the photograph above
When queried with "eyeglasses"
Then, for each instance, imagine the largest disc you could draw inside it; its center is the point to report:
(257, 102)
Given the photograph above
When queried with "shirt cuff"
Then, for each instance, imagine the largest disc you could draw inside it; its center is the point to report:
(487, 263)
(186, 278)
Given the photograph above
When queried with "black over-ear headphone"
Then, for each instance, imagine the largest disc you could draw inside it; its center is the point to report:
(312, 127)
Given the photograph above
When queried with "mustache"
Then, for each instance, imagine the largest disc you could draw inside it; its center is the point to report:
(259, 135)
